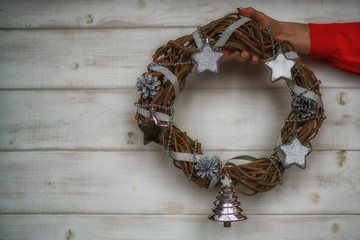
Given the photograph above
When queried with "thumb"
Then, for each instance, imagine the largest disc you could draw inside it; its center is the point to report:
(255, 15)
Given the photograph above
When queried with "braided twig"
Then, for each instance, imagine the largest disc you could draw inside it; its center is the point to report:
(260, 175)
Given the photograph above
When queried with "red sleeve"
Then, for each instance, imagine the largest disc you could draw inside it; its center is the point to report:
(339, 43)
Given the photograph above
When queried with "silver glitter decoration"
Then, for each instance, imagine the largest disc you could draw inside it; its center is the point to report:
(147, 85)
(280, 66)
(207, 59)
(294, 153)
(206, 167)
(303, 106)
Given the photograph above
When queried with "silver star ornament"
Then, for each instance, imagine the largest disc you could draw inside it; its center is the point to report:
(280, 66)
(207, 59)
(294, 153)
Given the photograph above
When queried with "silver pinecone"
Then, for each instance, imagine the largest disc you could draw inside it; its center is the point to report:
(303, 106)
(147, 85)
(206, 167)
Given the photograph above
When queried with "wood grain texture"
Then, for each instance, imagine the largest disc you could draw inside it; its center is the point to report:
(104, 120)
(114, 58)
(157, 13)
(148, 183)
(72, 162)
(177, 227)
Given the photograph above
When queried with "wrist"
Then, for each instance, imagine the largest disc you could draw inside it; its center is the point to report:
(296, 33)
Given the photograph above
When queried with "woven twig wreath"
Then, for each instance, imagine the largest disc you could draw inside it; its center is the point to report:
(166, 78)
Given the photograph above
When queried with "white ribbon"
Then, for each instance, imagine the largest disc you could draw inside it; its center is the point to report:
(169, 75)
(160, 116)
(189, 157)
(291, 55)
(226, 35)
(229, 31)
(198, 39)
(309, 94)
(300, 90)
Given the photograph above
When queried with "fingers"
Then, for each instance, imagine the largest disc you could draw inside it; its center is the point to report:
(247, 12)
(227, 52)
(245, 55)
(252, 13)
(241, 57)
(261, 19)
(254, 60)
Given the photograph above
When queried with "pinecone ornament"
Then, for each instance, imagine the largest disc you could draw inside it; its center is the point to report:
(303, 106)
(147, 85)
(227, 208)
(206, 167)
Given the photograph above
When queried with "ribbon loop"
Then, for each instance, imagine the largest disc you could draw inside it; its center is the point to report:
(168, 75)
(160, 116)
(229, 31)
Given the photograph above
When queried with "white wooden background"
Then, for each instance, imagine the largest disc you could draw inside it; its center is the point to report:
(72, 162)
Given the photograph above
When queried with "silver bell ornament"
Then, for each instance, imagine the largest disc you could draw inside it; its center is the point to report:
(227, 208)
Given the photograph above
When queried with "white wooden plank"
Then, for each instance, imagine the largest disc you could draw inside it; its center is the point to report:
(114, 58)
(104, 120)
(141, 13)
(113, 182)
(148, 183)
(90, 227)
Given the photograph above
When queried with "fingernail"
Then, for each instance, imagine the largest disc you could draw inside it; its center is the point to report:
(243, 54)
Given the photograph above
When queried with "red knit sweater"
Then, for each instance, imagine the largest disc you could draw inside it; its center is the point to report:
(339, 43)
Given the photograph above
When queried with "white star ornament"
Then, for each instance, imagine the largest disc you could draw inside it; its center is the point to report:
(226, 181)
(280, 66)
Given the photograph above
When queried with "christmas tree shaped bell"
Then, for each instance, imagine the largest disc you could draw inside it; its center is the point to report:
(227, 208)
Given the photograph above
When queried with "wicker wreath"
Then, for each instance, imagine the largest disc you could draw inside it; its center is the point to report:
(166, 78)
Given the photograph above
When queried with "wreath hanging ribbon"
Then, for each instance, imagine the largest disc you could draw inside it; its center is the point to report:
(165, 80)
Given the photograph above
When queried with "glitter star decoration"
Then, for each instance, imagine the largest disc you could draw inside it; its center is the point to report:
(280, 66)
(295, 153)
(207, 59)
(151, 132)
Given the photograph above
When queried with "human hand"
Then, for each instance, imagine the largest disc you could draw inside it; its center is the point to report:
(262, 20)
(296, 33)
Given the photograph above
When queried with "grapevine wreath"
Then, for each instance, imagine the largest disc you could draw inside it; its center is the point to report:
(165, 79)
